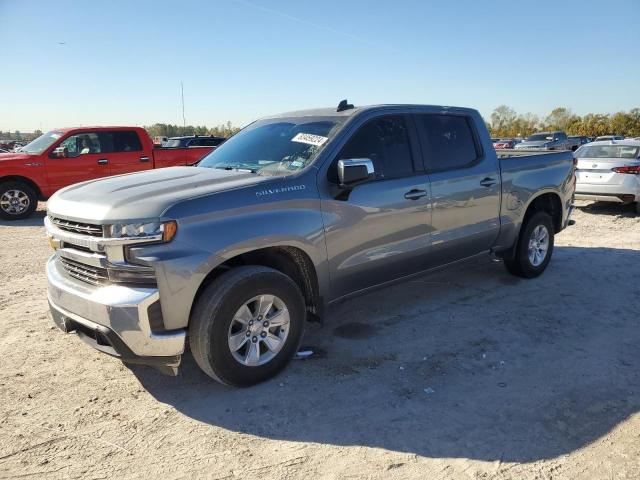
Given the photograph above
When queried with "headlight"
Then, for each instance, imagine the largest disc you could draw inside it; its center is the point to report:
(166, 230)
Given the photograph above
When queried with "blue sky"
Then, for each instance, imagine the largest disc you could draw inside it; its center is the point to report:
(121, 62)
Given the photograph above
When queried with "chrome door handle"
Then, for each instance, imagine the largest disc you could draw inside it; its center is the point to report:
(488, 182)
(415, 194)
(103, 161)
(144, 159)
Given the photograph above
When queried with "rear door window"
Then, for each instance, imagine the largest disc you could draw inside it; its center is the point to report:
(121, 141)
(448, 141)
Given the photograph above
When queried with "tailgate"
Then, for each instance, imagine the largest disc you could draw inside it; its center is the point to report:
(169, 157)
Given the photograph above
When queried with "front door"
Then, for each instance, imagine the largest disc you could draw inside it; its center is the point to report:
(378, 231)
(83, 159)
(465, 187)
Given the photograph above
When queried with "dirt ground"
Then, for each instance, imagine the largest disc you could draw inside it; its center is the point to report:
(464, 374)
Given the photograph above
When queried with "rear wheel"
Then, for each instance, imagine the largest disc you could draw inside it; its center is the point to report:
(17, 200)
(247, 325)
(534, 248)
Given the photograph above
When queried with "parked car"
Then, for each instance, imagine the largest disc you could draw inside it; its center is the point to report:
(545, 141)
(609, 138)
(609, 172)
(576, 141)
(66, 156)
(193, 141)
(294, 213)
(504, 143)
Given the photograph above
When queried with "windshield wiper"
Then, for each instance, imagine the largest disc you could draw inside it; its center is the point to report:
(235, 167)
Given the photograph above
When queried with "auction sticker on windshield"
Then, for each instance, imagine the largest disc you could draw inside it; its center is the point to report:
(309, 138)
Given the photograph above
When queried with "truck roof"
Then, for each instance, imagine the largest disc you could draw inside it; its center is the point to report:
(102, 127)
(332, 112)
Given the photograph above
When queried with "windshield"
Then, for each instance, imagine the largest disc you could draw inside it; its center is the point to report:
(41, 143)
(539, 137)
(608, 151)
(274, 147)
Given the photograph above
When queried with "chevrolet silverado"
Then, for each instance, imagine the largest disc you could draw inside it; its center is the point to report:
(296, 212)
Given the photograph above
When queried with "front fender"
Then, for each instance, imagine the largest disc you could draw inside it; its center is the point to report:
(204, 243)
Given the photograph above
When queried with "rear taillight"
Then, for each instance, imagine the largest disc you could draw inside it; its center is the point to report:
(633, 169)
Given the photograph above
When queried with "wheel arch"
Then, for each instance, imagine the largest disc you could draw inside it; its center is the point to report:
(290, 260)
(26, 181)
(549, 202)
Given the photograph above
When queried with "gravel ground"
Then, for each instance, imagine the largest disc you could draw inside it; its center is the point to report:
(468, 373)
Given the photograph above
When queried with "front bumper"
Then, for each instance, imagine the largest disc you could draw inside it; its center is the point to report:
(114, 319)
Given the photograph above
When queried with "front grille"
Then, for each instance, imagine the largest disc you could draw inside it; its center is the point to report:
(78, 227)
(76, 247)
(86, 273)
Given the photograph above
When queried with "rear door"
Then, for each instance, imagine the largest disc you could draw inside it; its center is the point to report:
(84, 159)
(465, 187)
(378, 231)
(125, 152)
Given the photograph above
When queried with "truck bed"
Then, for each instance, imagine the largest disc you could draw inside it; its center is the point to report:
(525, 174)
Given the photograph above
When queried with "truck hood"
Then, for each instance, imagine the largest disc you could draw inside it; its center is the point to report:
(21, 157)
(143, 195)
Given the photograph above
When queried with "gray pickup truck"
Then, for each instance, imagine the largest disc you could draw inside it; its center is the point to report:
(557, 140)
(294, 213)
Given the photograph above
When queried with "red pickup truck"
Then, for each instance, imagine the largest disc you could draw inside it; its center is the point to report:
(65, 156)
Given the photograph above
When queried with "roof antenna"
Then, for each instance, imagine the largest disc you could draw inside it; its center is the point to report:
(343, 105)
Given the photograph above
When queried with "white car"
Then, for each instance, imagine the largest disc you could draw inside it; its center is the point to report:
(609, 137)
(609, 171)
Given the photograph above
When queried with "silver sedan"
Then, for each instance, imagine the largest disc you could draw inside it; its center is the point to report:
(609, 171)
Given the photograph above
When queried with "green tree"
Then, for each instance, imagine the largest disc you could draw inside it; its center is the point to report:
(502, 120)
(559, 119)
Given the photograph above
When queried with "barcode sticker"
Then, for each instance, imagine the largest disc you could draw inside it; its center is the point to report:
(310, 139)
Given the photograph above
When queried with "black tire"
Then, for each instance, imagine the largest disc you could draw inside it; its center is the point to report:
(5, 210)
(517, 260)
(213, 314)
(637, 205)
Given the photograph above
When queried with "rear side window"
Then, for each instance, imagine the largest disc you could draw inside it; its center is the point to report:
(203, 142)
(449, 141)
(385, 141)
(122, 141)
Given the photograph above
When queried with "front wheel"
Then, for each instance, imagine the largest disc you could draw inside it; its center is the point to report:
(534, 248)
(17, 200)
(247, 325)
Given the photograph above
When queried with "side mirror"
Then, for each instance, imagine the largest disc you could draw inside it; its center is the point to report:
(355, 171)
(60, 152)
